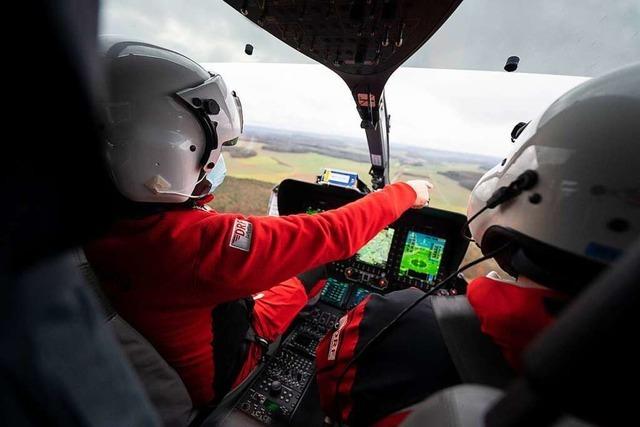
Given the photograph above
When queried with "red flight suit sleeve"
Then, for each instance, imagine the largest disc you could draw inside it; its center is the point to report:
(281, 247)
(512, 316)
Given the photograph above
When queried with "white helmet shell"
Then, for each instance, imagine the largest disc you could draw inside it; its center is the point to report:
(585, 149)
(166, 119)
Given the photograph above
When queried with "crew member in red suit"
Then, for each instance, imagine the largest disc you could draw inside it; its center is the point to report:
(209, 290)
(554, 213)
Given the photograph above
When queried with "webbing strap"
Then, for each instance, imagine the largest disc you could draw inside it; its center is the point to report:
(476, 358)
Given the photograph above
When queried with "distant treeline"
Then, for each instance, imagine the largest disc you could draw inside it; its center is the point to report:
(466, 179)
(287, 141)
(287, 147)
(240, 152)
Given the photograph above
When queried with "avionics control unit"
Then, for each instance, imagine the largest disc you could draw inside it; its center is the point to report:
(418, 250)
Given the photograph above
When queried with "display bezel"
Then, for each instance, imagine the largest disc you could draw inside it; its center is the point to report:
(295, 197)
(413, 281)
(401, 256)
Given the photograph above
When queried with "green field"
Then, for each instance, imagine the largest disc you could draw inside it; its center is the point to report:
(273, 167)
(447, 194)
(240, 195)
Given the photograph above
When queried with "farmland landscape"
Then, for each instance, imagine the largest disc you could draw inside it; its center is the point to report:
(264, 157)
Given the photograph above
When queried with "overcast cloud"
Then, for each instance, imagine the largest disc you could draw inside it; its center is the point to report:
(457, 110)
(571, 37)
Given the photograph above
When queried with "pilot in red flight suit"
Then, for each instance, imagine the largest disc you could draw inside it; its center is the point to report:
(209, 290)
(561, 207)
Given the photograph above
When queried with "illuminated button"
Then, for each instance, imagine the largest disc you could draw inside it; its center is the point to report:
(272, 408)
(382, 283)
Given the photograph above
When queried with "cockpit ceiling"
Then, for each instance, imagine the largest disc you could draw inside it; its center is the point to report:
(353, 37)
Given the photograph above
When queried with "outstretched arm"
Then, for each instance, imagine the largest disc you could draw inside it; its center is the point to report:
(244, 255)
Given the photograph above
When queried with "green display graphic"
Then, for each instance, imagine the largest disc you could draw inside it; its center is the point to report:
(422, 256)
(376, 252)
(312, 211)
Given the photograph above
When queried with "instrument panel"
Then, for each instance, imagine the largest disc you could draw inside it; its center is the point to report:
(418, 250)
(396, 258)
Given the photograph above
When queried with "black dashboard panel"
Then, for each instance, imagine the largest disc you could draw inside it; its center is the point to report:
(434, 235)
(353, 37)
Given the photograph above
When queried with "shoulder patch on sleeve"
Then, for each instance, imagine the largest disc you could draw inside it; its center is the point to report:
(241, 235)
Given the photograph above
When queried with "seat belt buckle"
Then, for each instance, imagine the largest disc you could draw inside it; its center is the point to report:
(264, 344)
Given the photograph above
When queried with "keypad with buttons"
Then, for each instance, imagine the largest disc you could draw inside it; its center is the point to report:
(334, 292)
(275, 393)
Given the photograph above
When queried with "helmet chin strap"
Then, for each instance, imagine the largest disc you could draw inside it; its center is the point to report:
(203, 187)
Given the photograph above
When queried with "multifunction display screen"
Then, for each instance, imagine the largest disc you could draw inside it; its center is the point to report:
(421, 256)
(376, 252)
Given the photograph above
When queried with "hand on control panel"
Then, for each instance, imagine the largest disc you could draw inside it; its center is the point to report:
(421, 187)
(382, 283)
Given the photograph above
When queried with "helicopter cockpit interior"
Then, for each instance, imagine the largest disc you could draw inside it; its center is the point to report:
(82, 366)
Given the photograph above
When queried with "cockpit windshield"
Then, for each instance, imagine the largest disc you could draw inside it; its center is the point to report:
(452, 105)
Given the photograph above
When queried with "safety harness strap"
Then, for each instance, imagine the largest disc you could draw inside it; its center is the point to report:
(233, 335)
(231, 321)
(264, 343)
(476, 358)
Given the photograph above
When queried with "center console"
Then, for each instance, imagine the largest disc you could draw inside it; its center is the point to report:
(276, 392)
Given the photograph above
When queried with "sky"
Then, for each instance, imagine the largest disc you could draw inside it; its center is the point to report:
(450, 95)
(455, 110)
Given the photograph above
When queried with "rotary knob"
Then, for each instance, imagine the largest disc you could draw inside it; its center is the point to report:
(275, 388)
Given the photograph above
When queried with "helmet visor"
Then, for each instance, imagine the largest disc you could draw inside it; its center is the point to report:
(220, 105)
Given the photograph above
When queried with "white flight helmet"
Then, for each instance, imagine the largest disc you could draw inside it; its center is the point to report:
(570, 197)
(166, 120)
